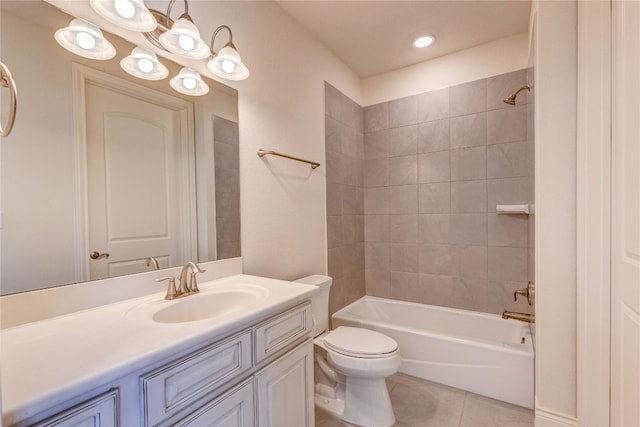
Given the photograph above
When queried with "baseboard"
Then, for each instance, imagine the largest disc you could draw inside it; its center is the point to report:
(548, 418)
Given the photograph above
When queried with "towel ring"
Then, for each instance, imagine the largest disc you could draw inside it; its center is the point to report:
(7, 81)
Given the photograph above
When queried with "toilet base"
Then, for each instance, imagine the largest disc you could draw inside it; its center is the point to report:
(366, 402)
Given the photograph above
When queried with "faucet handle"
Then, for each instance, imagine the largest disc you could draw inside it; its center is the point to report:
(171, 290)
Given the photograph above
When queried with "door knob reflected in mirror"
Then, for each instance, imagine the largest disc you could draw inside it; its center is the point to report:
(98, 255)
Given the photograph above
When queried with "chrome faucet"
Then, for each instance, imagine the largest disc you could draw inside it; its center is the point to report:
(191, 285)
(185, 287)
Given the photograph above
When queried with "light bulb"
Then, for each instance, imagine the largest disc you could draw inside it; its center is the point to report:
(189, 83)
(228, 66)
(186, 43)
(423, 41)
(85, 40)
(145, 65)
(125, 8)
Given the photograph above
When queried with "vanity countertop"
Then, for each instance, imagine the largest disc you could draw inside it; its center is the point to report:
(47, 362)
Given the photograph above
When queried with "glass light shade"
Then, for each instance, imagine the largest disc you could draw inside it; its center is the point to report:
(183, 39)
(85, 39)
(228, 65)
(129, 14)
(189, 82)
(144, 64)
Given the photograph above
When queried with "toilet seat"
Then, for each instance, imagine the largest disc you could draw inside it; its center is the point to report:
(360, 343)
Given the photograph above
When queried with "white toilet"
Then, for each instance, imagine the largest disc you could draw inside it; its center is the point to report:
(352, 364)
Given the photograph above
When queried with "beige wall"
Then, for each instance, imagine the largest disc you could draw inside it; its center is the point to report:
(479, 62)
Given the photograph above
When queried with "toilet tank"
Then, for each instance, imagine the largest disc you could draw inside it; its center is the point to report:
(319, 302)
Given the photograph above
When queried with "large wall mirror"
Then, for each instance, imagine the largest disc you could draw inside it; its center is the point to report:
(106, 174)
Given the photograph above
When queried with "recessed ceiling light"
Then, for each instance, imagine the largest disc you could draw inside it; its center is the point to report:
(423, 41)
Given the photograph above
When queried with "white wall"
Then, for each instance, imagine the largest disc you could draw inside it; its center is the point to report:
(555, 48)
(479, 62)
(281, 108)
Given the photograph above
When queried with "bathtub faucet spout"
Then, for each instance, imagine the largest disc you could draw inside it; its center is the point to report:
(524, 317)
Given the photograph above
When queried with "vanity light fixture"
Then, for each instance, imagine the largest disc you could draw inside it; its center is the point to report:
(189, 82)
(144, 64)
(227, 63)
(129, 14)
(85, 39)
(423, 41)
(183, 37)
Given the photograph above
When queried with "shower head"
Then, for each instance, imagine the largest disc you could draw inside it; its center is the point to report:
(511, 100)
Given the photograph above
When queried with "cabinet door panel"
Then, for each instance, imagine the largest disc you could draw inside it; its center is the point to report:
(173, 387)
(285, 390)
(233, 409)
(101, 411)
(282, 331)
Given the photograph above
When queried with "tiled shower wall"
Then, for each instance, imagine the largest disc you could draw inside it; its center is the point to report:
(436, 166)
(345, 203)
(412, 209)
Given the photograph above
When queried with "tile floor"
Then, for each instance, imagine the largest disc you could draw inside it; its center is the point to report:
(419, 403)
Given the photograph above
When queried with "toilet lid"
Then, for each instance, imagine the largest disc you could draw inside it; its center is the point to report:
(359, 342)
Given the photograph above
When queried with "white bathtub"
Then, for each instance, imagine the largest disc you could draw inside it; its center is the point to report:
(478, 352)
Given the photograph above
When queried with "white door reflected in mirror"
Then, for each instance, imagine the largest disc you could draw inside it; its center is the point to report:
(134, 182)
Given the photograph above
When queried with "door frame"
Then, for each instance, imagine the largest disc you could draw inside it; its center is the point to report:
(81, 75)
(594, 212)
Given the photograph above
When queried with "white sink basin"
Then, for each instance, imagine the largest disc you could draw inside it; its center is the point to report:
(210, 304)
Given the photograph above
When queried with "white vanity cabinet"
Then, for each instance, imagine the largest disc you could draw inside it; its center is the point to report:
(278, 394)
(250, 366)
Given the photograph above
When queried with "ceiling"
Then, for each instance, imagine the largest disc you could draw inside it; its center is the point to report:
(374, 37)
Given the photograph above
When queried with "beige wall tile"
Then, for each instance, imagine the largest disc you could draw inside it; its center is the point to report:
(468, 164)
(403, 228)
(435, 259)
(403, 170)
(469, 196)
(508, 230)
(376, 117)
(469, 130)
(403, 141)
(434, 198)
(434, 228)
(468, 229)
(507, 125)
(433, 105)
(433, 136)
(468, 98)
(434, 167)
(508, 264)
(376, 228)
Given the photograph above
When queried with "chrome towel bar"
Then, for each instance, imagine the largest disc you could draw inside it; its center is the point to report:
(262, 152)
(7, 81)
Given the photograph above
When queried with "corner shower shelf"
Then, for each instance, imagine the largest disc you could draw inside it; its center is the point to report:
(514, 209)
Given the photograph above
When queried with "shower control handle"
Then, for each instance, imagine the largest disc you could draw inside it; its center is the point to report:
(525, 292)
